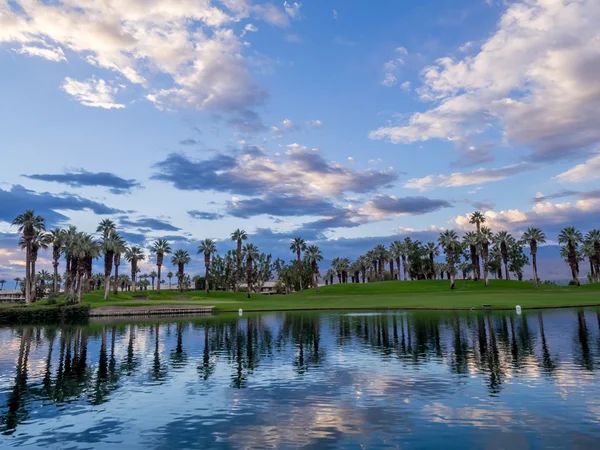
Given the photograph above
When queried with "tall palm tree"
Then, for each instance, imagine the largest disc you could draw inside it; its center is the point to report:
(180, 259)
(108, 230)
(2, 284)
(17, 280)
(119, 248)
(448, 240)
(471, 239)
(504, 241)
(169, 276)
(134, 254)
(58, 242)
(571, 238)
(251, 252)
(589, 252)
(477, 218)
(329, 276)
(396, 253)
(534, 236)
(161, 248)
(593, 237)
(84, 248)
(153, 276)
(433, 251)
(208, 247)
(485, 237)
(28, 224)
(297, 246)
(41, 240)
(238, 236)
(406, 245)
(71, 234)
(314, 255)
(382, 257)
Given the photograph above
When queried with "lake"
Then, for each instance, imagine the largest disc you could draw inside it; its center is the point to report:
(313, 380)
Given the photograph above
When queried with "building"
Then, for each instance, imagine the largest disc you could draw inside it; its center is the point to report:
(11, 296)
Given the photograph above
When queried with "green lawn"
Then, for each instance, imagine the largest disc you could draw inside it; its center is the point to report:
(392, 294)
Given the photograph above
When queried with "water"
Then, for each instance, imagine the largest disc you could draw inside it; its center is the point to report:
(289, 380)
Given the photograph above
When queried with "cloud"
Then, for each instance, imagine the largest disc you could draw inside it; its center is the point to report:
(249, 28)
(182, 54)
(384, 205)
(247, 121)
(287, 123)
(18, 199)
(589, 170)
(478, 176)
(293, 9)
(147, 222)
(93, 92)
(82, 178)
(299, 170)
(335, 15)
(51, 54)
(471, 154)
(351, 160)
(188, 141)
(375, 161)
(391, 68)
(315, 124)
(535, 78)
(539, 197)
(483, 206)
(282, 205)
(202, 215)
(294, 38)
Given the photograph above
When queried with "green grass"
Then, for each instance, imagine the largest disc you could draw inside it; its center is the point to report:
(432, 294)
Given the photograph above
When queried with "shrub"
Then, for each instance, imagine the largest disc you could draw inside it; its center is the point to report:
(44, 314)
(52, 298)
(71, 299)
(572, 283)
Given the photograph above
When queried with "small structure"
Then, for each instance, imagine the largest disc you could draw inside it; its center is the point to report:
(11, 296)
(269, 288)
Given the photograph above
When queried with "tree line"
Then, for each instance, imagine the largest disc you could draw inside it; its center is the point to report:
(479, 253)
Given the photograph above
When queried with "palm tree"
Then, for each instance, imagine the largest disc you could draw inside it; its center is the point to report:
(28, 224)
(433, 251)
(329, 276)
(593, 237)
(504, 241)
(589, 252)
(477, 218)
(238, 236)
(180, 259)
(471, 239)
(405, 249)
(534, 236)
(161, 248)
(84, 248)
(153, 276)
(58, 242)
(571, 238)
(314, 255)
(382, 256)
(41, 240)
(17, 280)
(119, 248)
(207, 246)
(134, 254)
(71, 234)
(448, 240)
(251, 252)
(169, 276)
(396, 253)
(108, 230)
(485, 237)
(2, 284)
(298, 245)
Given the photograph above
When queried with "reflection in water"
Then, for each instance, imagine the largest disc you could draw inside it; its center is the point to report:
(323, 380)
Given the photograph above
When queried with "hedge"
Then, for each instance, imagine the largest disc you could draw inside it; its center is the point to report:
(44, 314)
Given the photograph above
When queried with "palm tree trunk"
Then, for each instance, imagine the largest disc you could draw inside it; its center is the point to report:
(404, 267)
(451, 268)
(79, 288)
(28, 273)
(485, 260)
(116, 284)
(535, 273)
(392, 268)
(300, 270)
(55, 281)
(158, 285)
(33, 289)
(506, 269)
(206, 264)
(239, 265)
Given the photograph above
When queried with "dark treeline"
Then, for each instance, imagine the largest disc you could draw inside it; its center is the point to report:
(92, 363)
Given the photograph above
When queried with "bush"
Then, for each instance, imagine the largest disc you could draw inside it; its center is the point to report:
(71, 299)
(573, 283)
(44, 314)
(52, 298)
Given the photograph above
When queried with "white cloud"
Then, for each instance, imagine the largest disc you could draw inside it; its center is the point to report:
(405, 86)
(457, 179)
(589, 170)
(293, 9)
(391, 68)
(189, 41)
(351, 160)
(293, 38)
(535, 77)
(287, 123)
(315, 124)
(51, 54)
(375, 161)
(93, 92)
(389, 80)
(249, 28)
(335, 14)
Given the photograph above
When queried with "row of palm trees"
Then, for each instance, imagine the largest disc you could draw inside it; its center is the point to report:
(486, 251)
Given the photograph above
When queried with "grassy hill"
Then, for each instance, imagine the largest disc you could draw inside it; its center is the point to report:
(430, 294)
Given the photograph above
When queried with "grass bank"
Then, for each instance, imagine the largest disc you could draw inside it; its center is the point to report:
(431, 294)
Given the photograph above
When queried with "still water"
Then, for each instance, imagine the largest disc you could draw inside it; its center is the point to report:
(289, 380)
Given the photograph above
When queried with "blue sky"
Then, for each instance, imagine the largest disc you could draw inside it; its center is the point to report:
(343, 122)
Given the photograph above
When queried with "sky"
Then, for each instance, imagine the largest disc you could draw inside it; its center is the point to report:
(346, 123)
